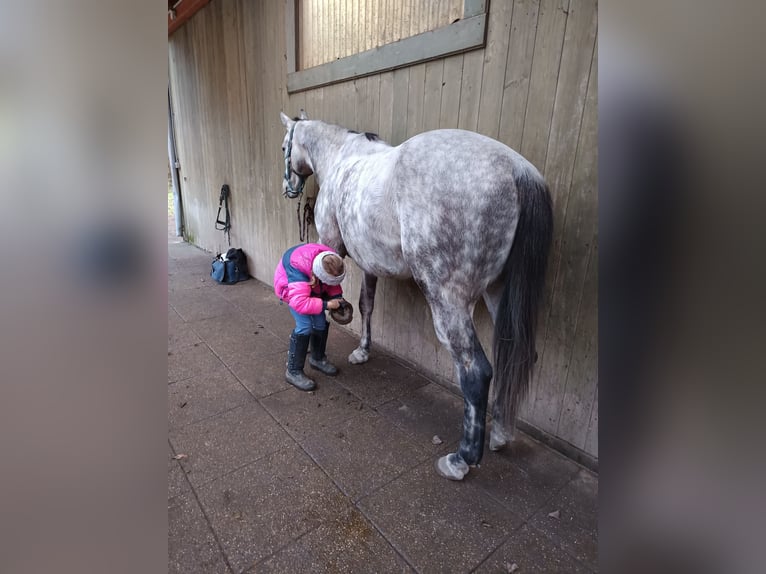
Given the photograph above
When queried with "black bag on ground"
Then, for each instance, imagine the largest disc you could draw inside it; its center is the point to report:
(230, 268)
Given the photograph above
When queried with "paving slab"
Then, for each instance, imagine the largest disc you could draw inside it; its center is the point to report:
(531, 551)
(198, 304)
(194, 360)
(262, 375)
(189, 274)
(233, 337)
(377, 381)
(259, 302)
(192, 547)
(426, 412)
(265, 506)
(576, 527)
(203, 396)
(178, 486)
(221, 444)
(326, 407)
(179, 250)
(436, 524)
(347, 543)
(505, 475)
(363, 453)
(544, 466)
(180, 334)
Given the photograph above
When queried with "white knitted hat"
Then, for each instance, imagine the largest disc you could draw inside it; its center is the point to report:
(323, 275)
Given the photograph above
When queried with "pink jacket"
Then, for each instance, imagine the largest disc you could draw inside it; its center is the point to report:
(292, 277)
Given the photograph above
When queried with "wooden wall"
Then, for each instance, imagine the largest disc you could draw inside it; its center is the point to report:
(533, 87)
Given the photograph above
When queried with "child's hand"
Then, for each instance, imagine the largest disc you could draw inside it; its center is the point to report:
(334, 303)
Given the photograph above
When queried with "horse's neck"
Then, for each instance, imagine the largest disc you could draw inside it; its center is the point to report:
(324, 143)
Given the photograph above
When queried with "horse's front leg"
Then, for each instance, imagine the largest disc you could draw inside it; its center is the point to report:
(366, 304)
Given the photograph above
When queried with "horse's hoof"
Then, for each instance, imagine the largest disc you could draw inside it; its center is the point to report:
(497, 444)
(359, 356)
(499, 439)
(450, 470)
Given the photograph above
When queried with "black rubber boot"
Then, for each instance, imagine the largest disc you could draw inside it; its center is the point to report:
(296, 357)
(318, 359)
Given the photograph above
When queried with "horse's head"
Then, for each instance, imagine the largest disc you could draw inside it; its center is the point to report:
(297, 161)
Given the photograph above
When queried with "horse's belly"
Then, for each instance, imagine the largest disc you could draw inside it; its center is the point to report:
(381, 261)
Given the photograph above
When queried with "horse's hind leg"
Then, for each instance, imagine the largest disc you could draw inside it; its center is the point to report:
(499, 437)
(456, 331)
(366, 304)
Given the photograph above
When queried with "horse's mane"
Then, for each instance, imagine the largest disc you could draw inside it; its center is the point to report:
(369, 135)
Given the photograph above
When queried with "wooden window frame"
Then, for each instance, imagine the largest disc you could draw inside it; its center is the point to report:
(466, 34)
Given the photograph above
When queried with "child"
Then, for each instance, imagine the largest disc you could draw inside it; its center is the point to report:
(308, 278)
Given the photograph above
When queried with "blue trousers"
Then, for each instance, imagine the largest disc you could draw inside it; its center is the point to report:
(304, 324)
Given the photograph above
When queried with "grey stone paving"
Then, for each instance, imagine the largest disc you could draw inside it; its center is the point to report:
(264, 478)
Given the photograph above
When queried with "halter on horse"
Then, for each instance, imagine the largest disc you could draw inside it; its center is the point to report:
(462, 214)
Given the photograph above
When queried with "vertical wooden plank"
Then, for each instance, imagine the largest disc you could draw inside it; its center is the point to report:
(414, 18)
(400, 13)
(330, 33)
(455, 10)
(368, 105)
(340, 31)
(396, 297)
(291, 33)
(356, 24)
(470, 90)
(591, 441)
(493, 76)
(582, 376)
(372, 24)
(401, 90)
(385, 128)
(383, 21)
(518, 70)
(577, 62)
(386, 116)
(415, 96)
(432, 94)
(451, 82)
(348, 24)
(583, 362)
(307, 22)
(542, 89)
(317, 41)
(571, 90)
(362, 25)
(412, 306)
(320, 50)
(577, 230)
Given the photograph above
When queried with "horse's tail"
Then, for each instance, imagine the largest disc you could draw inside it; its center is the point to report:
(516, 321)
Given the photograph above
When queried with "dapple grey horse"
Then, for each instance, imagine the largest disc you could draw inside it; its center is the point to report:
(462, 214)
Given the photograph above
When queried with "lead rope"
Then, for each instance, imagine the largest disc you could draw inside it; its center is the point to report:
(307, 220)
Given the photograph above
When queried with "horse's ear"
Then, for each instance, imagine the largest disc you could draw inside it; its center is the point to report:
(303, 114)
(286, 121)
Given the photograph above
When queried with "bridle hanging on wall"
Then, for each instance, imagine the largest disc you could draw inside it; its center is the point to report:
(307, 219)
